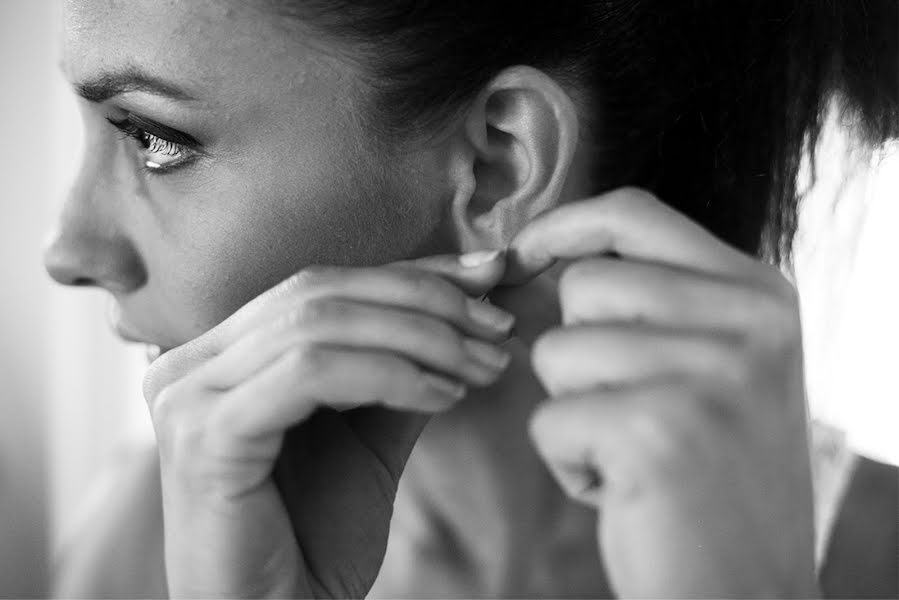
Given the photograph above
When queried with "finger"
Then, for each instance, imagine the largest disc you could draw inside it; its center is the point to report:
(430, 284)
(627, 221)
(400, 287)
(575, 436)
(578, 358)
(621, 440)
(534, 304)
(476, 273)
(172, 365)
(298, 382)
(608, 290)
(442, 285)
(418, 337)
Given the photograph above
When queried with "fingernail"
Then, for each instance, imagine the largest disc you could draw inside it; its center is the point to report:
(487, 355)
(445, 387)
(485, 314)
(476, 259)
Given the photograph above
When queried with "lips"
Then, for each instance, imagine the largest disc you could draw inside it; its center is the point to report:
(123, 328)
(128, 332)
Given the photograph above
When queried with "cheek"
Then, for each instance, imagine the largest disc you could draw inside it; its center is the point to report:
(251, 239)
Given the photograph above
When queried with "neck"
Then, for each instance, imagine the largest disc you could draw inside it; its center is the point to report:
(477, 468)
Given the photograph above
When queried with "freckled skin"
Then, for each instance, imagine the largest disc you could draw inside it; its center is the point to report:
(290, 179)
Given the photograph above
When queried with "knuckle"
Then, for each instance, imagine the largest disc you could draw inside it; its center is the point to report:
(728, 363)
(717, 405)
(667, 430)
(312, 276)
(401, 370)
(316, 310)
(446, 334)
(632, 197)
(428, 287)
(179, 427)
(446, 345)
(780, 328)
(304, 279)
(573, 277)
(663, 447)
(306, 360)
(398, 381)
(415, 281)
(223, 425)
(546, 348)
(650, 425)
(541, 423)
(591, 289)
(195, 434)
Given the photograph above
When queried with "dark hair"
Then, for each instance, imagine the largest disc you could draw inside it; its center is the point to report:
(710, 104)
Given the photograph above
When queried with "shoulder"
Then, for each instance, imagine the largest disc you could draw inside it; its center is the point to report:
(116, 548)
(863, 554)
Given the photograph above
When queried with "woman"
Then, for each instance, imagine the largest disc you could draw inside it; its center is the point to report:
(252, 166)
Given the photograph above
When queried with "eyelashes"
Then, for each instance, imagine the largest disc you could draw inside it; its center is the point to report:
(162, 149)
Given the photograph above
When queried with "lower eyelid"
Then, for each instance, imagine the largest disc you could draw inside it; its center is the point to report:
(185, 163)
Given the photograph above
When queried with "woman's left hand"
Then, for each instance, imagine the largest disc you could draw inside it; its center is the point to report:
(677, 401)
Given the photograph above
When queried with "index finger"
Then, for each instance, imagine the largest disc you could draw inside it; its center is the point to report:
(627, 221)
(438, 285)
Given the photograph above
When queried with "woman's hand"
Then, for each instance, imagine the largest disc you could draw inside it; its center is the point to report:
(252, 510)
(676, 400)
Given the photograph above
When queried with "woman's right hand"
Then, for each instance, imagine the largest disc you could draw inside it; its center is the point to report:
(255, 510)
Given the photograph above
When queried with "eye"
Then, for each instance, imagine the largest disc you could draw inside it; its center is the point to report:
(162, 149)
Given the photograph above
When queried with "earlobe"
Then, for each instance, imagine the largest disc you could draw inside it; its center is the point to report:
(512, 157)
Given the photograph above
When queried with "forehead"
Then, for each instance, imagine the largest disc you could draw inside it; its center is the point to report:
(213, 46)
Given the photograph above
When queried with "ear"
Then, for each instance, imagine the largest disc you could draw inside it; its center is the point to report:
(510, 157)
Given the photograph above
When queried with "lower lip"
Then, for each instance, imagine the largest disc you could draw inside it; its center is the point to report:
(126, 334)
(118, 324)
(152, 351)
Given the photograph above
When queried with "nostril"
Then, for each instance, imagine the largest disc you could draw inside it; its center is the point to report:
(82, 260)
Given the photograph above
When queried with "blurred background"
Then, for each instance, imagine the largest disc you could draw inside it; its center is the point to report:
(71, 402)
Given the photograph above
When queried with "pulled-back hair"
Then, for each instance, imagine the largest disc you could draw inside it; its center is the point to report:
(710, 104)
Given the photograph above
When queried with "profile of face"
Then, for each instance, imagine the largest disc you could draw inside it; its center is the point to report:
(224, 152)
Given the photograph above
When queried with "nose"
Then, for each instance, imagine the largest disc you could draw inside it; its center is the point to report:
(81, 257)
(90, 246)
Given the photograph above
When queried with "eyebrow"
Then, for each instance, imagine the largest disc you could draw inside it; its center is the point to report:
(110, 84)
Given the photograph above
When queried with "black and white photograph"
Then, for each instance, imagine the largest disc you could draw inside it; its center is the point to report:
(449, 299)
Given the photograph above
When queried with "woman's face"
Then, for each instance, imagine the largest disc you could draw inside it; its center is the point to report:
(237, 158)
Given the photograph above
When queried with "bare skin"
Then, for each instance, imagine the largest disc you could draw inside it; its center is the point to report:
(258, 248)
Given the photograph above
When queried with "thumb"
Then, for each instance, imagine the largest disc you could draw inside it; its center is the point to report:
(476, 273)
